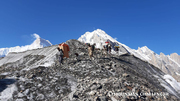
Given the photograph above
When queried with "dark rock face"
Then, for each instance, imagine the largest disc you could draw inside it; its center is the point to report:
(79, 78)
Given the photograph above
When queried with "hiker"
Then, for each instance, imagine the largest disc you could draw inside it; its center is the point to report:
(106, 49)
(65, 49)
(93, 48)
(109, 48)
(60, 54)
(116, 48)
(90, 51)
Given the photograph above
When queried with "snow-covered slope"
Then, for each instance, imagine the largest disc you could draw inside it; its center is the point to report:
(38, 43)
(47, 53)
(168, 64)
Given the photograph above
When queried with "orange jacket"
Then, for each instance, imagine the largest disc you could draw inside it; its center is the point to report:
(65, 49)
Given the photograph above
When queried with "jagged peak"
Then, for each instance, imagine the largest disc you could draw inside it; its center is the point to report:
(97, 36)
(162, 54)
(174, 54)
(97, 30)
(41, 41)
(89, 36)
(144, 49)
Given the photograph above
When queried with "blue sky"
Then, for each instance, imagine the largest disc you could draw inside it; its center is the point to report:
(136, 23)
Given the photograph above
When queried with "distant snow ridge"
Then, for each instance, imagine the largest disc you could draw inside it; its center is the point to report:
(38, 43)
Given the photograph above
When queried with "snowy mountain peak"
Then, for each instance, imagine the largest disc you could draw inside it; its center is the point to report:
(38, 43)
(162, 54)
(97, 36)
(101, 33)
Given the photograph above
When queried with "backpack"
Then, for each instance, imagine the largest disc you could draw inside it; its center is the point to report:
(61, 52)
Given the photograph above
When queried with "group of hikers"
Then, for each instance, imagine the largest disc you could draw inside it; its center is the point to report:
(64, 50)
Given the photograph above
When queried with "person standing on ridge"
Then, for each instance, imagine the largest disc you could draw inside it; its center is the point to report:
(109, 48)
(90, 51)
(60, 54)
(116, 48)
(93, 48)
(106, 47)
(65, 49)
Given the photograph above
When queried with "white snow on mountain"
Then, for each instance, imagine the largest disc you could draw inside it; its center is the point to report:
(173, 82)
(98, 36)
(38, 43)
(168, 64)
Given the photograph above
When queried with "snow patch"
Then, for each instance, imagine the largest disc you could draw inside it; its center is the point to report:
(172, 82)
(5, 73)
(177, 73)
(8, 92)
(167, 86)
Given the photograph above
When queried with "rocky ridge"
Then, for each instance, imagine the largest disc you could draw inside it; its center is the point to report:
(102, 78)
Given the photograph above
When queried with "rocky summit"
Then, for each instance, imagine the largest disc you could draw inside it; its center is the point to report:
(80, 78)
